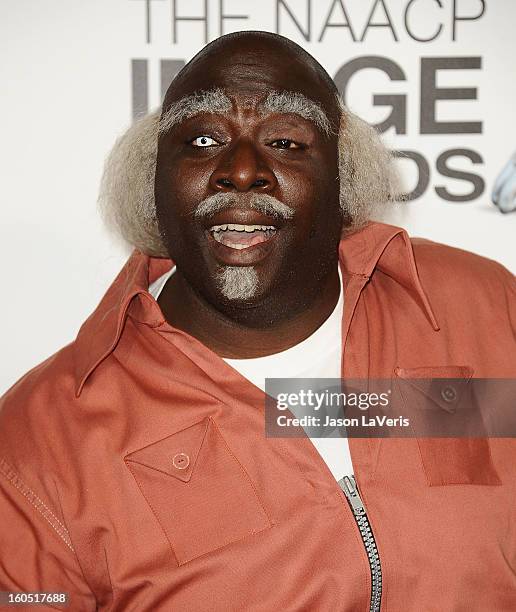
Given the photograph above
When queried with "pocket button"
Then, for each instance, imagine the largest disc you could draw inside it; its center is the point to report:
(449, 394)
(181, 461)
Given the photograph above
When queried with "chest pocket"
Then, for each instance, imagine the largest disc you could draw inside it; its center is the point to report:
(433, 395)
(200, 494)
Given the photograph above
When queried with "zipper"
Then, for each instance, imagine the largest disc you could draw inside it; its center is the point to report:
(349, 486)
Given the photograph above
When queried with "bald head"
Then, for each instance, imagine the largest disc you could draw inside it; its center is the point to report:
(256, 63)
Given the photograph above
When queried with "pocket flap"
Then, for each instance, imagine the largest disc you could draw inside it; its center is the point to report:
(175, 455)
(444, 386)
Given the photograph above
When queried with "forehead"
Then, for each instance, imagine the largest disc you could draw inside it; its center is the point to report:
(248, 78)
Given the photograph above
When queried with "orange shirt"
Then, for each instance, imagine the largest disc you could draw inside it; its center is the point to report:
(135, 473)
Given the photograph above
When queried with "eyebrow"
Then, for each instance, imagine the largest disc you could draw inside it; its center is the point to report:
(298, 104)
(210, 101)
(216, 101)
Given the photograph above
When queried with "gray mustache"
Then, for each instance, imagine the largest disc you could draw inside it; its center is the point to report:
(261, 202)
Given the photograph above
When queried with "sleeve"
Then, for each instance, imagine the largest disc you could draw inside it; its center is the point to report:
(510, 292)
(36, 552)
(506, 302)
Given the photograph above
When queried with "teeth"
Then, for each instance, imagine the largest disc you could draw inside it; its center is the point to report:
(240, 228)
(234, 245)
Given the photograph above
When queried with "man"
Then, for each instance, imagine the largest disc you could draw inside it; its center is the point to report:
(135, 474)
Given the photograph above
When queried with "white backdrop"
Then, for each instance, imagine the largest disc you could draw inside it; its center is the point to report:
(70, 85)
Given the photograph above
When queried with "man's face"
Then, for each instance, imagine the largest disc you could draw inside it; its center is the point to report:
(247, 189)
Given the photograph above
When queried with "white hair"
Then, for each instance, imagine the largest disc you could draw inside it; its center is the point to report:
(366, 172)
(126, 197)
(262, 202)
(238, 282)
(216, 101)
(298, 104)
(211, 101)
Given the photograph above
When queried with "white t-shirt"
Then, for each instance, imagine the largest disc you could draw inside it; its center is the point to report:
(318, 356)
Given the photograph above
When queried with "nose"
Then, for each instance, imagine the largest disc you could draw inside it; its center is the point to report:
(243, 169)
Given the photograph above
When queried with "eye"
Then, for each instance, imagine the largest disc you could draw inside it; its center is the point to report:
(285, 143)
(204, 141)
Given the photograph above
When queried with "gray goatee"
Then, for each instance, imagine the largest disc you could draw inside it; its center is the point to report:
(238, 282)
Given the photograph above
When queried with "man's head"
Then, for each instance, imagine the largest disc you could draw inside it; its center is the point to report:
(252, 134)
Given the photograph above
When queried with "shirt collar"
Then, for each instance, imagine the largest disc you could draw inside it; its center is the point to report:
(376, 246)
(388, 249)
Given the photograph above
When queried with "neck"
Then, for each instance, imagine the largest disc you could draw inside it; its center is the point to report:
(256, 332)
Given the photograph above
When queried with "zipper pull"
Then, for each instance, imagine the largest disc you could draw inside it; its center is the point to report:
(348, 485)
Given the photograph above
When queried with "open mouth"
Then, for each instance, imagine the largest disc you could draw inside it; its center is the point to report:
(237, 236)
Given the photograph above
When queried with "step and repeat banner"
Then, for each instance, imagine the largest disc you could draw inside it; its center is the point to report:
(436, 77)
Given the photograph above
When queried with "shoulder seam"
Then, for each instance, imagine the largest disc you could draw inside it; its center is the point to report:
(12, 477)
